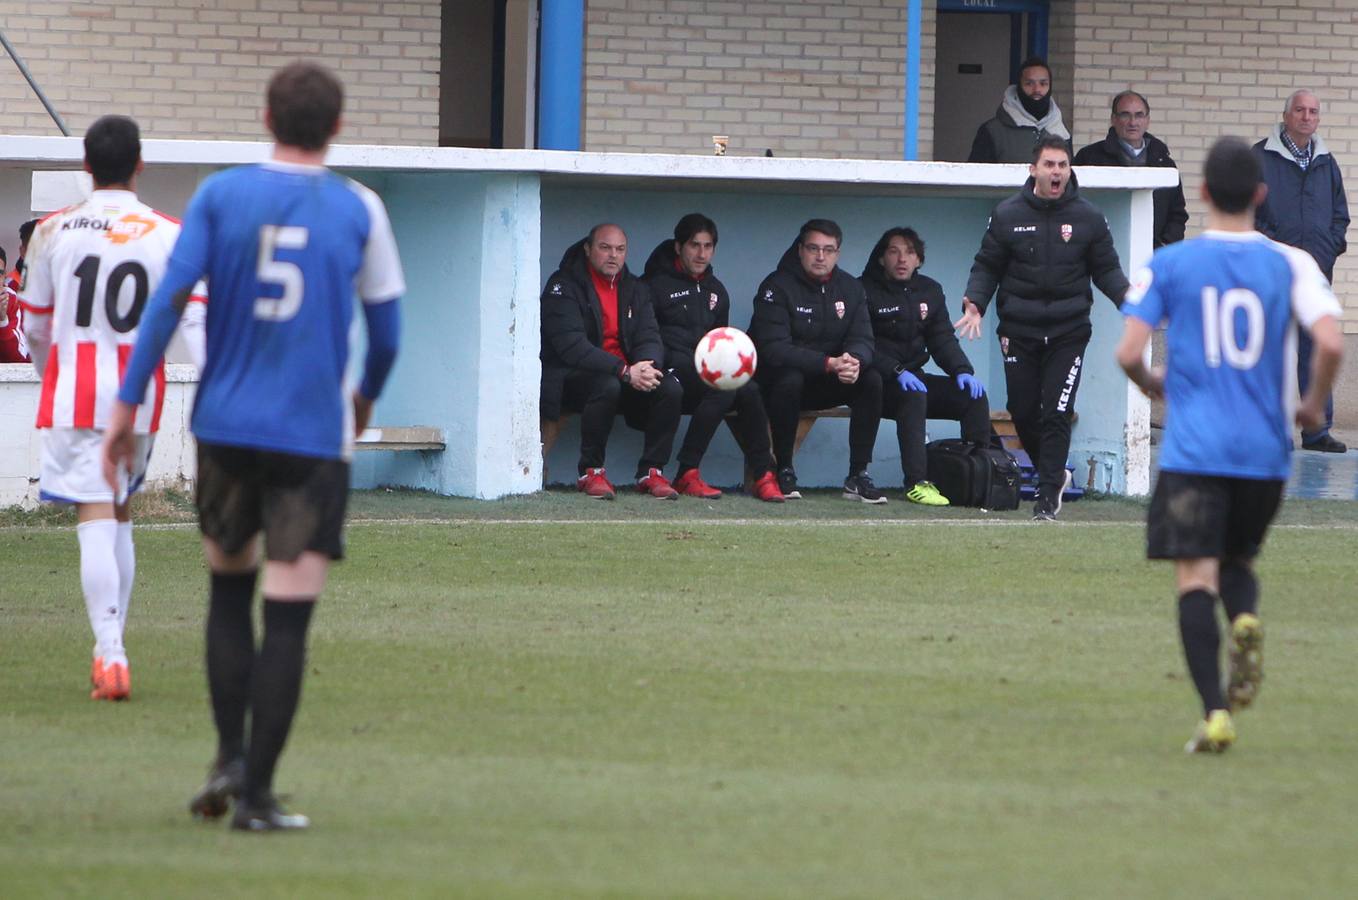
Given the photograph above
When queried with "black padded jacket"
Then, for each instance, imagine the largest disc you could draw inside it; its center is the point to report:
(798, 322)
(910, 322)
(1041, 255)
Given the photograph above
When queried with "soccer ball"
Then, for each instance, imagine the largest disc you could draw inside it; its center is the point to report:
(725, 358)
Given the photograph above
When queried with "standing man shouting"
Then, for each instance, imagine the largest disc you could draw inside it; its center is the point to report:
(1305, 207)
(285, 246)
(1041, 248)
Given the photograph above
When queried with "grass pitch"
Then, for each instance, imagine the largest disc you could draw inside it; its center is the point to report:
(556, 697)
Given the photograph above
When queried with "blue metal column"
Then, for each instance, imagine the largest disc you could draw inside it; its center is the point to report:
(912, 65)
(561, 42)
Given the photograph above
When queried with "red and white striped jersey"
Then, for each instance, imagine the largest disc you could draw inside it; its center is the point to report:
(91, 267)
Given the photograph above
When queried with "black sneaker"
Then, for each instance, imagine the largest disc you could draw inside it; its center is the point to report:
(266, 816)
(222, 785)
(1044, 510)
(860, 487)
(1325, 444)
(787, 483)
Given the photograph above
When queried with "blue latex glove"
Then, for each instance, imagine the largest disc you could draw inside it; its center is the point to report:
(909, 381)
(971, 384)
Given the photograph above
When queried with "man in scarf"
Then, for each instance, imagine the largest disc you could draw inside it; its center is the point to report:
(1026, 115)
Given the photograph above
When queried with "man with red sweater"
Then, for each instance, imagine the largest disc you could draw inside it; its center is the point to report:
(601, 355)
(13, 346)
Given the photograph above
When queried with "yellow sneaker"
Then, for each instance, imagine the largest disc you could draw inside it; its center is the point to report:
(925, 494)
(1246, 660)
(1214, 735)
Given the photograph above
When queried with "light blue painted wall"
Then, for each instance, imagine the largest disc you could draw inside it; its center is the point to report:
(437, 218)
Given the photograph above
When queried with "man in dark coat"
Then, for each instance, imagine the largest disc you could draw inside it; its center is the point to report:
(601, 354)
(1129, 144)
(814, 337)
(1027, 113)
(1041, 248)
(910, 324)
(1306, 207)
(689, 301)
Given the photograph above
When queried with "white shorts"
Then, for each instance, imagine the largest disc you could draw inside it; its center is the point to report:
(73, 470)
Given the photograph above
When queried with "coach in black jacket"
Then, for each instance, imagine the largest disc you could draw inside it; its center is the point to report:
(1130, 144)
(910, 323)
(601, 354)
(689, 301)
(814, 337)
(1041, 248)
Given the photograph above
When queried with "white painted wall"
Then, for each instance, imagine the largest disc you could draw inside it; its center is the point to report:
(173, 463)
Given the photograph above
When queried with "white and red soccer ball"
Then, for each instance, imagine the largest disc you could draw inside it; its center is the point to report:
(725, 358)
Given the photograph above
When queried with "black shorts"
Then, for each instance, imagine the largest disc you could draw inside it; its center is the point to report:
(1199, 516)
(297, 501)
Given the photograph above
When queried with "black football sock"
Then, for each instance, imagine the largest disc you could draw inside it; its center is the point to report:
(230, 658)
(1239, 589)
(277, 688)
(1202, 645)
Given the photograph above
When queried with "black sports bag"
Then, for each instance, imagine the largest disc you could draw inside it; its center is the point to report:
(973, 475)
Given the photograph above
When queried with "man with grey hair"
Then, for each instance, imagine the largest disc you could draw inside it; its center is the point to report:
(1305, 208)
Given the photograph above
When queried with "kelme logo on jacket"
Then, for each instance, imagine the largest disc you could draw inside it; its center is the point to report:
(1066, 232)
(839, 308)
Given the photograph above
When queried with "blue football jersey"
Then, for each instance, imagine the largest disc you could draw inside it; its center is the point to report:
(284, 249)
(1231, 302)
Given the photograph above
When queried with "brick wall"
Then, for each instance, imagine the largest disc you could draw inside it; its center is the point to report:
(1211, 69)
(197, 68)
(801, 79)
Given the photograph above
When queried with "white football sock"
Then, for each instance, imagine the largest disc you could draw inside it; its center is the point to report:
(127, 571)
(99, 579)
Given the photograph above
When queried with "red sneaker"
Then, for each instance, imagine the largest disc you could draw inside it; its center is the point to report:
(766, 488)
(595, 484)
(692, 484)
(657, 485)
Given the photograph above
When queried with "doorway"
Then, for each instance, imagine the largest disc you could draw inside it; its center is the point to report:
(980, 44)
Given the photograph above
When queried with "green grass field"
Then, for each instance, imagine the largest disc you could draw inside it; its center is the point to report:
(553, 697)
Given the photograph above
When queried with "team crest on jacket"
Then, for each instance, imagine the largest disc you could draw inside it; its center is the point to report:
(1004, 345)
(839, 308)
(923, 311)
(1066, 232)
(711, 301)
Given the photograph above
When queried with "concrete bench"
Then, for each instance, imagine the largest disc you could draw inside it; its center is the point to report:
(403, 437)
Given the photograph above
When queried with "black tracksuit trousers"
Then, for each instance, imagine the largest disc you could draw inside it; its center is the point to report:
(598, 397)
(1043, 378)
(944, 400)
(788, 391)
(708, 406)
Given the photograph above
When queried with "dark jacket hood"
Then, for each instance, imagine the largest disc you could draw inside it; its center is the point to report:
(661, 260)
